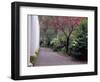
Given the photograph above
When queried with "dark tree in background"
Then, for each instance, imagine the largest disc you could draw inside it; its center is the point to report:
(44, 26)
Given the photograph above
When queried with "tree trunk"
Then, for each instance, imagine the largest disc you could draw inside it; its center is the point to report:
(67, 44)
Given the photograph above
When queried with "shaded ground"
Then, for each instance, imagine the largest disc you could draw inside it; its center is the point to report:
(48, 57)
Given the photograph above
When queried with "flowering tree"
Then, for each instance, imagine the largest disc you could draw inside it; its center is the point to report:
(60, 23)
(66, 24)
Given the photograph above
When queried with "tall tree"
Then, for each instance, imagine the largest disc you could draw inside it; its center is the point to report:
(66, 25)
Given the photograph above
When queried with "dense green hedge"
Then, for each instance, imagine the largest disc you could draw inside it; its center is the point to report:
(78, 41)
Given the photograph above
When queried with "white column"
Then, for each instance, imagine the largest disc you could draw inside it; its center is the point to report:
(33, 34)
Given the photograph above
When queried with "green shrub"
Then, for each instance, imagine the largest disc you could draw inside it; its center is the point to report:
(55, 43)
(58, 43)
(63, 50)
(78, 45)
(33, 58)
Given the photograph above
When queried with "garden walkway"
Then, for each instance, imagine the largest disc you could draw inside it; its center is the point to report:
(48, 57)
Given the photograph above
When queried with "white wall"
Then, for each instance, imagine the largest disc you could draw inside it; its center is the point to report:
(5, 40)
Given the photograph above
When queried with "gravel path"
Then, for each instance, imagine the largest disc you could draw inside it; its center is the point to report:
(48, 57)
